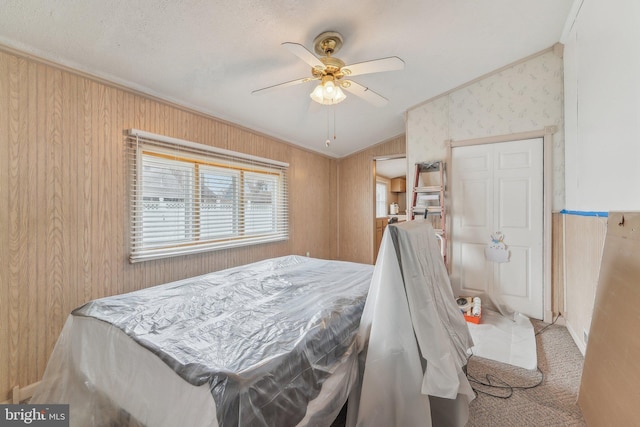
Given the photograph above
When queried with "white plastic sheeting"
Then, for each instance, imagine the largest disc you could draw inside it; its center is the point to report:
(505, 340)
(417, 338)
(252, 345)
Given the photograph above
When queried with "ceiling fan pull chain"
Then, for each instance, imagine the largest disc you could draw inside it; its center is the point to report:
(334, 122)
(327, 143)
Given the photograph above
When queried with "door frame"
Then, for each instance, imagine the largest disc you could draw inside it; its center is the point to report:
(374, 160)
(546, 134)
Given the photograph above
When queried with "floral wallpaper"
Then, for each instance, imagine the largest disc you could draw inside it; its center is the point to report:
(527, 96)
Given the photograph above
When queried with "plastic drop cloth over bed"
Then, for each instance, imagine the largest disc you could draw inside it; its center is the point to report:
(262, 339)
(417, 337)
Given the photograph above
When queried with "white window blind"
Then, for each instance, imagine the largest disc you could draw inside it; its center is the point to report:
(187, 198)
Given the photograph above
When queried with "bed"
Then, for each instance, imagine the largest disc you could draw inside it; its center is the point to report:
(271, 343)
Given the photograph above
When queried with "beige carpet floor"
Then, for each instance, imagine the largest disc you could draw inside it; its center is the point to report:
(552, 403)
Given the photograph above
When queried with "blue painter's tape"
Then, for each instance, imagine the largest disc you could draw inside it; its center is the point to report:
(585, 213)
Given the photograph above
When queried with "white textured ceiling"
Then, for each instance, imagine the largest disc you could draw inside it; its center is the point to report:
(210, 54)
(391, 168)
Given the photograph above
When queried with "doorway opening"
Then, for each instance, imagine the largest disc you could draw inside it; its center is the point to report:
(391, 194)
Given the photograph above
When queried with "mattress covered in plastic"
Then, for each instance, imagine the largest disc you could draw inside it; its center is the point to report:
(263, 336)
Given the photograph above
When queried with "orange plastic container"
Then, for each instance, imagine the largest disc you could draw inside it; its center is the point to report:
(463, 303)
(473, 319)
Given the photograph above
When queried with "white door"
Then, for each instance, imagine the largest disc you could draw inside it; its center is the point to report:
(499, 188)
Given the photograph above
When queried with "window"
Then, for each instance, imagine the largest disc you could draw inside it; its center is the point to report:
(381, 199)
(188, 198)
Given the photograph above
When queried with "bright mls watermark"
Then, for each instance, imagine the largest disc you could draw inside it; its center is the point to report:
(34, 415)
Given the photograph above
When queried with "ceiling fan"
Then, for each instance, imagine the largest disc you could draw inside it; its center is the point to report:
(331, 72)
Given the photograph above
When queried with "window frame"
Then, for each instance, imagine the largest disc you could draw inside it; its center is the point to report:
(144, 146)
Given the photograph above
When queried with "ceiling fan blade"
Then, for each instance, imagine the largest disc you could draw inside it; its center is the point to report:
(281, 85)
(304, 54)
(391, 63)
(364, 93)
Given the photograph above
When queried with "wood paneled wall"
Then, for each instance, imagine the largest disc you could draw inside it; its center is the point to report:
(584, 238)
(356, 200)
(63, 190)
(557, 264)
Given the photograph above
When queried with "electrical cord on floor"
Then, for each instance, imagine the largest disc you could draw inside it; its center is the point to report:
(549, 325)
(494, 382)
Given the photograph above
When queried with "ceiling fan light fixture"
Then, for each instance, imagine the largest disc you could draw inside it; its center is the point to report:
(329, 87)
(327, 93)
(330, 70)
(339, 95)
(317, 94)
